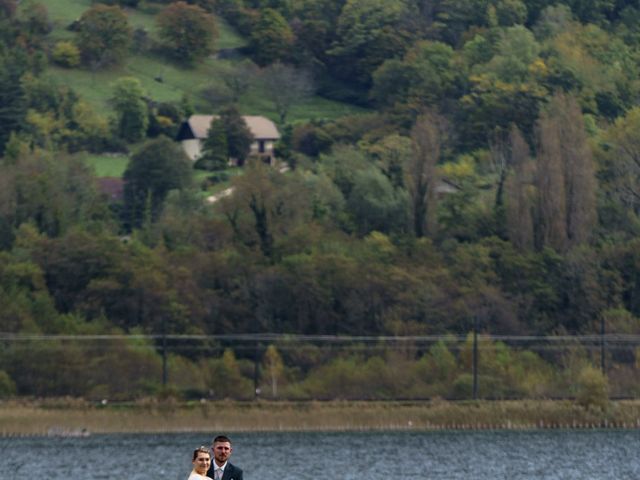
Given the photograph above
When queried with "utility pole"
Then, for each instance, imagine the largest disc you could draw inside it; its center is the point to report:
(164, 351)
(603, 345)
(475, 357)
(256, 371)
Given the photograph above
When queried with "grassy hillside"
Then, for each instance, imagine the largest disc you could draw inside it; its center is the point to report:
(176, 79)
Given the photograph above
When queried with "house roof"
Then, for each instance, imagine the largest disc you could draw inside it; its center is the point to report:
(261, 128)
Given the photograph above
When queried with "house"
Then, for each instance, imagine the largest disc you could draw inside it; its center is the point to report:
(194, 131)
(445, 187)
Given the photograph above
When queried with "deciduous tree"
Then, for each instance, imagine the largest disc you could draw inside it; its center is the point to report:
(274, 368)
(271, 38)
(421, 176)
(285, 87)
(425, 76)
(188, 31)
(369, 32)
(565, 177)
(622, 165)
(376, 205)
(131, 109)
(104, 35)
(238, 79)
(158, 166)
(519, 185)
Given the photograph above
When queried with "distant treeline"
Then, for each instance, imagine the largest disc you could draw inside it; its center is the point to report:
(494, 178)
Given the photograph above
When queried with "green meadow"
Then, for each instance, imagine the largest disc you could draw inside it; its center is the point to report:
(107, 165)
(165, 80)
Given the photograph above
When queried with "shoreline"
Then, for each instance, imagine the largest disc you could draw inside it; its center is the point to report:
(69, 417)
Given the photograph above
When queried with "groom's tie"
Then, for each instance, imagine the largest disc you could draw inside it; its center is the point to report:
(218, 474)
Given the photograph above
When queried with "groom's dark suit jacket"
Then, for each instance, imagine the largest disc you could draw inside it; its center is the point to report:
(231, 472)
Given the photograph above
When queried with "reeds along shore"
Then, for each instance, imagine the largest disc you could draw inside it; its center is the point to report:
(48, 417)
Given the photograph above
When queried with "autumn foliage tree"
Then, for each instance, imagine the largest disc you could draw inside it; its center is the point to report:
(188, 31)
(104, 35)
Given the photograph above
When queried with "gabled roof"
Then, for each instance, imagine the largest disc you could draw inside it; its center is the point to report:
(261, 128)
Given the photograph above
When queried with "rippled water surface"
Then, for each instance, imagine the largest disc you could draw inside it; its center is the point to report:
(595, 454)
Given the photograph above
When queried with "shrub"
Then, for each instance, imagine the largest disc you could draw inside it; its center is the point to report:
(135, 371)
(463, 386)
(66, 54)
(226, 379)
(592, 388)
(311, 140)
(7, 385)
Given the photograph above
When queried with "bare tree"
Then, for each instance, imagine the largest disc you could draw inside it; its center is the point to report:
(552, 210)
(580, 179)
(420, 173)
(500, 150)
(566, 176)
(518, 192)
(286, 86)
(238, 79)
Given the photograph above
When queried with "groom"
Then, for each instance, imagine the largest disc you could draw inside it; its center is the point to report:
(221, 469)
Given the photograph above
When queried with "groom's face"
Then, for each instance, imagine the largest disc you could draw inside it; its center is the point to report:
(221, 452)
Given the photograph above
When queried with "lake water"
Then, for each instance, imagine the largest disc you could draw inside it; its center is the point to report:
(593, 454)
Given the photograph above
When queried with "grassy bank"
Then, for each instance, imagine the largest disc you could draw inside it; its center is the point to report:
(40, 418)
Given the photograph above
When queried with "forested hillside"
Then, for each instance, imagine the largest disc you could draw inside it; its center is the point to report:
(450, 161)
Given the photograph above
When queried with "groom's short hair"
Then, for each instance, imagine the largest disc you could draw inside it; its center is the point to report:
(221, 439)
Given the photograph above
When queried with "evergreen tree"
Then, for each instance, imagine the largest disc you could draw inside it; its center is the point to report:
(158, 167)
(13, 106)
(239, 137)
(215, 154)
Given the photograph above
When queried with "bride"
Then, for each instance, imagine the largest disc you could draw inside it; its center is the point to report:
(201, 463)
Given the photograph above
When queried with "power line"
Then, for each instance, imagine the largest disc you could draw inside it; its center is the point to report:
(277, 337)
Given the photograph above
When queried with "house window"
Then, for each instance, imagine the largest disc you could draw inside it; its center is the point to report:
(261, 146)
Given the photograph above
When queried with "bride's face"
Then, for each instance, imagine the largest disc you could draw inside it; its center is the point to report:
(202, 463)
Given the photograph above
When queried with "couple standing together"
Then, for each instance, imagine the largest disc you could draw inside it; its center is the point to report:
(218, 468)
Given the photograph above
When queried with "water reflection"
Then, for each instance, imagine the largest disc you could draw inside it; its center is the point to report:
(606, 454)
